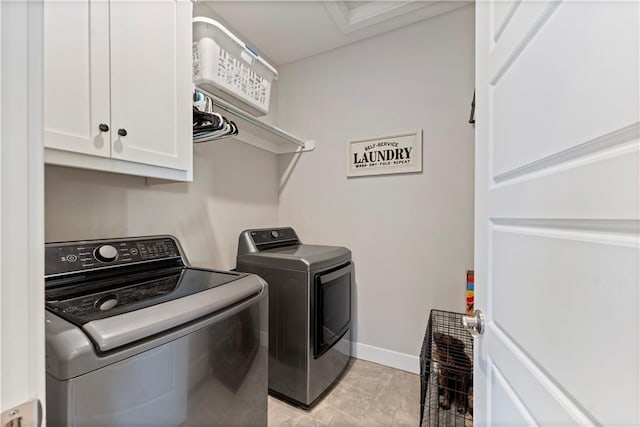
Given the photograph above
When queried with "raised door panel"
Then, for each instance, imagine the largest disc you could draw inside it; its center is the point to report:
(558, 213)
(151, 82)
(578, 77)
(76, 76)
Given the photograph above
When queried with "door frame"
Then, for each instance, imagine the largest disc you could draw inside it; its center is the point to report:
(22, 337)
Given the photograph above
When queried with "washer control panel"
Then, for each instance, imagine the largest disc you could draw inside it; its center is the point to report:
(105, 253)
(88, 255)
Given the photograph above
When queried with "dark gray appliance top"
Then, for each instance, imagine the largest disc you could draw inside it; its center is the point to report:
(281, 248)
(71, 352)
(119, 291)
(116, 331)
(101, 297)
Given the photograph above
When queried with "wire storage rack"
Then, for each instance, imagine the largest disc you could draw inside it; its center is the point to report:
(446, 372)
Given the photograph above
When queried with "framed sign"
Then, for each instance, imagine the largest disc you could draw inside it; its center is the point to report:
(398, 153)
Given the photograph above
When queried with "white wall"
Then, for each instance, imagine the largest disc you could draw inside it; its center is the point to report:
(234, 188)
(411, 235)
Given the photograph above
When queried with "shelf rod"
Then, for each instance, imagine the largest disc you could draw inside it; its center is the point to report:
(253, 120)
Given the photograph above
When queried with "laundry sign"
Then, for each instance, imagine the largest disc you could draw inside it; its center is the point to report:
(398, 153)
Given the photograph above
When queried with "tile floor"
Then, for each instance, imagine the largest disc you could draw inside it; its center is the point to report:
(368, 395)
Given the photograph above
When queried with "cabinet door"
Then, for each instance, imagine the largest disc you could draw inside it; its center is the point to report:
(76, 76)
(151, 82)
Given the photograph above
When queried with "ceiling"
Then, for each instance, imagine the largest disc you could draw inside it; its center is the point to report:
(287, 31)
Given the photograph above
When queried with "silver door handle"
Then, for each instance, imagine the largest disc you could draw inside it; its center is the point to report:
(474, 324)
(28, 414)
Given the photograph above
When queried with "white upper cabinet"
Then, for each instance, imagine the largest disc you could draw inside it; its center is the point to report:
(118, 86)
(76, 77)
(151, 81)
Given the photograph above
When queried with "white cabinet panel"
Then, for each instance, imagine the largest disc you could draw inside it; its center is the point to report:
(150, 57)
(76, 77)
(125, 65)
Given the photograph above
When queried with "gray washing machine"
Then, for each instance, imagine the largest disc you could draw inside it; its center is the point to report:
(136, 336)
(309, 311)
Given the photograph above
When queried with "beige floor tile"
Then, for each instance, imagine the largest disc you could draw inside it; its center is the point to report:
(281, 415)
(368, 395)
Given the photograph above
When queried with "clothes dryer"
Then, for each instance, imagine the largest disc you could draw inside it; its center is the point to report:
(309, 310)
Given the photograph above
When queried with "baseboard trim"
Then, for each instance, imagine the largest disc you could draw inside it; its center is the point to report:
(386, 357)
(381, 356)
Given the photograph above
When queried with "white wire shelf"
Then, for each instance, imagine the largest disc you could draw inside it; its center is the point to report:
(260, 134)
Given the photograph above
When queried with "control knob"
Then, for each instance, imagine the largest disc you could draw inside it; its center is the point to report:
(106, 302)
(274, 234)
(106, 253)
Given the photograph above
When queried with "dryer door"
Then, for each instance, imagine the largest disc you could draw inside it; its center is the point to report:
(332, 311)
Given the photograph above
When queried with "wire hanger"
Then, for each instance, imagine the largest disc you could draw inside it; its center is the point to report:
(207, 124)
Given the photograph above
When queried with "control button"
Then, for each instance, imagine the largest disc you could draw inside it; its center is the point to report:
(134, 251)
(274, 234)
(106, 302)
(72, 258)
(106, 253)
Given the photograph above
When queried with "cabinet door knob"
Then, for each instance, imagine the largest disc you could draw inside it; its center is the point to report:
(103, 127)
(122, 132)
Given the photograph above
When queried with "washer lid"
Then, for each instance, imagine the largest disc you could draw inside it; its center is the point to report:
(85, 301)
(299, 257)
(116, 331)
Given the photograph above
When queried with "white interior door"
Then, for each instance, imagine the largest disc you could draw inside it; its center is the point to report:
(76, 79)
(557, 215)
(22, 354)
(151, 82)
